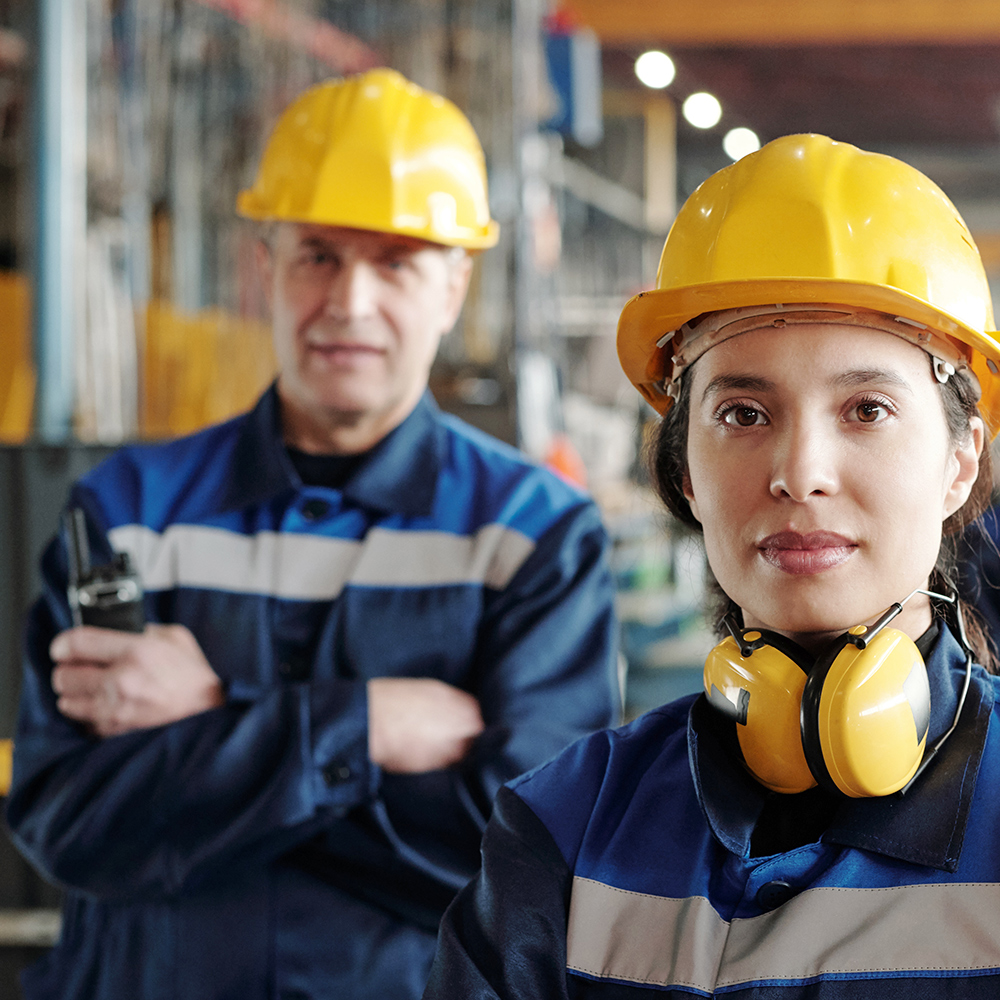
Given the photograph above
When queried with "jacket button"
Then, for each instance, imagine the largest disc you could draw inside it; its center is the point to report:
(335, 773)
(313, 510)
(772, 894)
(294, 668)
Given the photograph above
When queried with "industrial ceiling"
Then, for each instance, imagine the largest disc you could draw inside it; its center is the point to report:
(916, 78)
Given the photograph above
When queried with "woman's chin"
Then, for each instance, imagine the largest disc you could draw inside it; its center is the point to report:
(808, 626)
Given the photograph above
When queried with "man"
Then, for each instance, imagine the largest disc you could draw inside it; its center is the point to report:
(365, 615)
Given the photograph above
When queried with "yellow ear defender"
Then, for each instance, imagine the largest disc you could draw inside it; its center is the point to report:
(854, 720)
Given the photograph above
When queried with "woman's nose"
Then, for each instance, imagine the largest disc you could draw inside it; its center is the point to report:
(804, 464)
(353, 292)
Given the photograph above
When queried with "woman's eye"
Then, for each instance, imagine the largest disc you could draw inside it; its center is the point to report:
(743, 416)
(870, 412)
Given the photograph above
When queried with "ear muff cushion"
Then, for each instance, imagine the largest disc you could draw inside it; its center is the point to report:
(865, 715)
(761, 693)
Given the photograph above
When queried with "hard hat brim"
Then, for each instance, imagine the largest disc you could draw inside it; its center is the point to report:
(650, 315)
(247, 206)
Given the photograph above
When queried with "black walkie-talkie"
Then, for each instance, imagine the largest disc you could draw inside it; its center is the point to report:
(108, 596)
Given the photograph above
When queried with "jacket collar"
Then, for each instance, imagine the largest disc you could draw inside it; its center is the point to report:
(926, 826)
(398, 475)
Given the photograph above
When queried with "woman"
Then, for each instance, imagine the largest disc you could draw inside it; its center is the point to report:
(823, 822)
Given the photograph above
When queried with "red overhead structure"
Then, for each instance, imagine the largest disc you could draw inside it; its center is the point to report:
(338, 49)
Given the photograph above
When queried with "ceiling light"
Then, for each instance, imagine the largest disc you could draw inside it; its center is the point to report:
(740, 141)
(702, 110)
(655, 69)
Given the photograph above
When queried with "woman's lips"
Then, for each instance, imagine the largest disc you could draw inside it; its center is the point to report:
(814, 552)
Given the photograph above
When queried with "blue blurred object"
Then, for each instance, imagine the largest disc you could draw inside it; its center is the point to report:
(660, 578)
(979, 569)
(574, 61)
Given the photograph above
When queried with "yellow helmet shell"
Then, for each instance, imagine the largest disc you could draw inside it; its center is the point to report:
(377, 152)
(806, 219)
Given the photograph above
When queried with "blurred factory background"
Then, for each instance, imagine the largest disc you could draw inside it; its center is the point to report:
(129, 307)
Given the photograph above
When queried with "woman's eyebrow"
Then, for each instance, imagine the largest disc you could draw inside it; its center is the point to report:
(748, 383)
(868, 376)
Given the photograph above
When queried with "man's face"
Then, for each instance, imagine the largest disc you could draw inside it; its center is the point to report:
(357, 317)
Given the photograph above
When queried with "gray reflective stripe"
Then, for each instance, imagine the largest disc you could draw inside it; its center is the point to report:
(311, 567)
(643, 939)
(948, 926)
(188, 555)
(428, 558)
(661, 941)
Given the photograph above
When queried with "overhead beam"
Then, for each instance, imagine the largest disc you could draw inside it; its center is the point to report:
(791, 22)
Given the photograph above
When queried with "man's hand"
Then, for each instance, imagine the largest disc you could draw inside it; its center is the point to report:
(115, 682)
(419, 724)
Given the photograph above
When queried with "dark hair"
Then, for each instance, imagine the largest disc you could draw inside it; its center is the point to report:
(668, 464)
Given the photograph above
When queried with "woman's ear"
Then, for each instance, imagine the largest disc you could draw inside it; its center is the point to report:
(964, 468)
(688, 492)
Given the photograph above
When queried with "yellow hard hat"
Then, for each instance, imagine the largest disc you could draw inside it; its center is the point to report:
(809, 220)
(375, 151)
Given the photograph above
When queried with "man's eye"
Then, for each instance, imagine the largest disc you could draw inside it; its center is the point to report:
(316, 258)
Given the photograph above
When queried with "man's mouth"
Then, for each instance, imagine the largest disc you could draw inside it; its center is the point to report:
(343, 350)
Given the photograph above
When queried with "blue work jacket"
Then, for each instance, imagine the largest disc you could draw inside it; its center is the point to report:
(978, 551)
(624, 869)
(254, 850)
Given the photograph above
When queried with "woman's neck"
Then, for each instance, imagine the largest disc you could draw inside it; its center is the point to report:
(914, 620)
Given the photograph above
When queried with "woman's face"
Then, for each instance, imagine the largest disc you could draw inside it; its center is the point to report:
(820, 467)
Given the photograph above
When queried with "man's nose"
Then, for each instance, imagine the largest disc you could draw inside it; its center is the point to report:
(804, 463)
(353, 291)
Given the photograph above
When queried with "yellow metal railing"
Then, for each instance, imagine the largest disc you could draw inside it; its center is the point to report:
(17, 372)
(6, 765)
(201, 368)
(197, 368)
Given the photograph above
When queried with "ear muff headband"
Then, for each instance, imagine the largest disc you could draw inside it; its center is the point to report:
(857, 724)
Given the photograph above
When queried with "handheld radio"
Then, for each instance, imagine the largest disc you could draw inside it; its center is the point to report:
(108, 596)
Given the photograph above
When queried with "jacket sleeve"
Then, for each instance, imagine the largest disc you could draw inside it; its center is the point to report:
(150, 811)
(545, 673)
(504, 936)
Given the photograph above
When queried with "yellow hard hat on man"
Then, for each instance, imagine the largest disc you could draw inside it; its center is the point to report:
(809, 220)
(376, 152)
